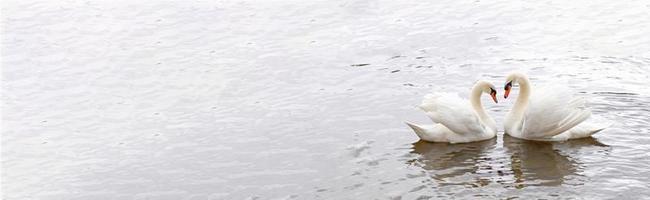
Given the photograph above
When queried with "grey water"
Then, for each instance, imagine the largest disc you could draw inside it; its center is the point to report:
(286, 99)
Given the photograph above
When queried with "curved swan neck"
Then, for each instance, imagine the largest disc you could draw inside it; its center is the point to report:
(524, 93)
(475, 100)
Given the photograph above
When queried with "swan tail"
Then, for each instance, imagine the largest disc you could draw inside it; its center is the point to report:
(588, 129)
(417, 128)
(597, 128)
(431, 133)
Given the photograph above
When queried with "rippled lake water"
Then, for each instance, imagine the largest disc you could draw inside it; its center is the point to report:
(306, 100)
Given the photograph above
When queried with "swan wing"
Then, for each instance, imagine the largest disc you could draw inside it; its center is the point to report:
(553, 110)
(452, 111)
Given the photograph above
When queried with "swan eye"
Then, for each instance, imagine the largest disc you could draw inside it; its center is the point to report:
(493, 91)
(508, 85)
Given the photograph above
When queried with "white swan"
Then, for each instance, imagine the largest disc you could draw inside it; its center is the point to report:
(549, 114)
(455, 120)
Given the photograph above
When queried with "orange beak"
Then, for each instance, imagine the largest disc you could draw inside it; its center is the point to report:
(506, 93)
(494, 96)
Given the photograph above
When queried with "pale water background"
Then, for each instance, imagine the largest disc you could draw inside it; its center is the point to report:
(306, 99)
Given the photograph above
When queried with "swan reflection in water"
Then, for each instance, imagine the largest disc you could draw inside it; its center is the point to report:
(447, 162)
(535, 163)
(528, 163)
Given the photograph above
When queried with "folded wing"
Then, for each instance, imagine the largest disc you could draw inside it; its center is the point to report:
(553, 110)
(452, 111)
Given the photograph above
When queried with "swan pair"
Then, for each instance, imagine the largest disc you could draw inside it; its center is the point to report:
(548, 114)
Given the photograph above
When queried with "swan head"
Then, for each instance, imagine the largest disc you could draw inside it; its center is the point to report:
(488, 88)
(511, 79)
(507, 88)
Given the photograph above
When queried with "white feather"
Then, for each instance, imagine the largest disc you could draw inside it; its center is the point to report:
(451, 111)
(455, 121)
(551, 113)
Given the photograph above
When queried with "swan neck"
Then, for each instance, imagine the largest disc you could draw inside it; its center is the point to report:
(524, 94)
(475, 100)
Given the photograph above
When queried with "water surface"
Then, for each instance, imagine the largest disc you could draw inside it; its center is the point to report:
(306, 100)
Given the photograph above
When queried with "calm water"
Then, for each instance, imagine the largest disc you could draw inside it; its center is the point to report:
(306, 100)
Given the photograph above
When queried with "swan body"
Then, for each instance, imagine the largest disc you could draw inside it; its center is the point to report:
(547, 114)
(456, 120)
